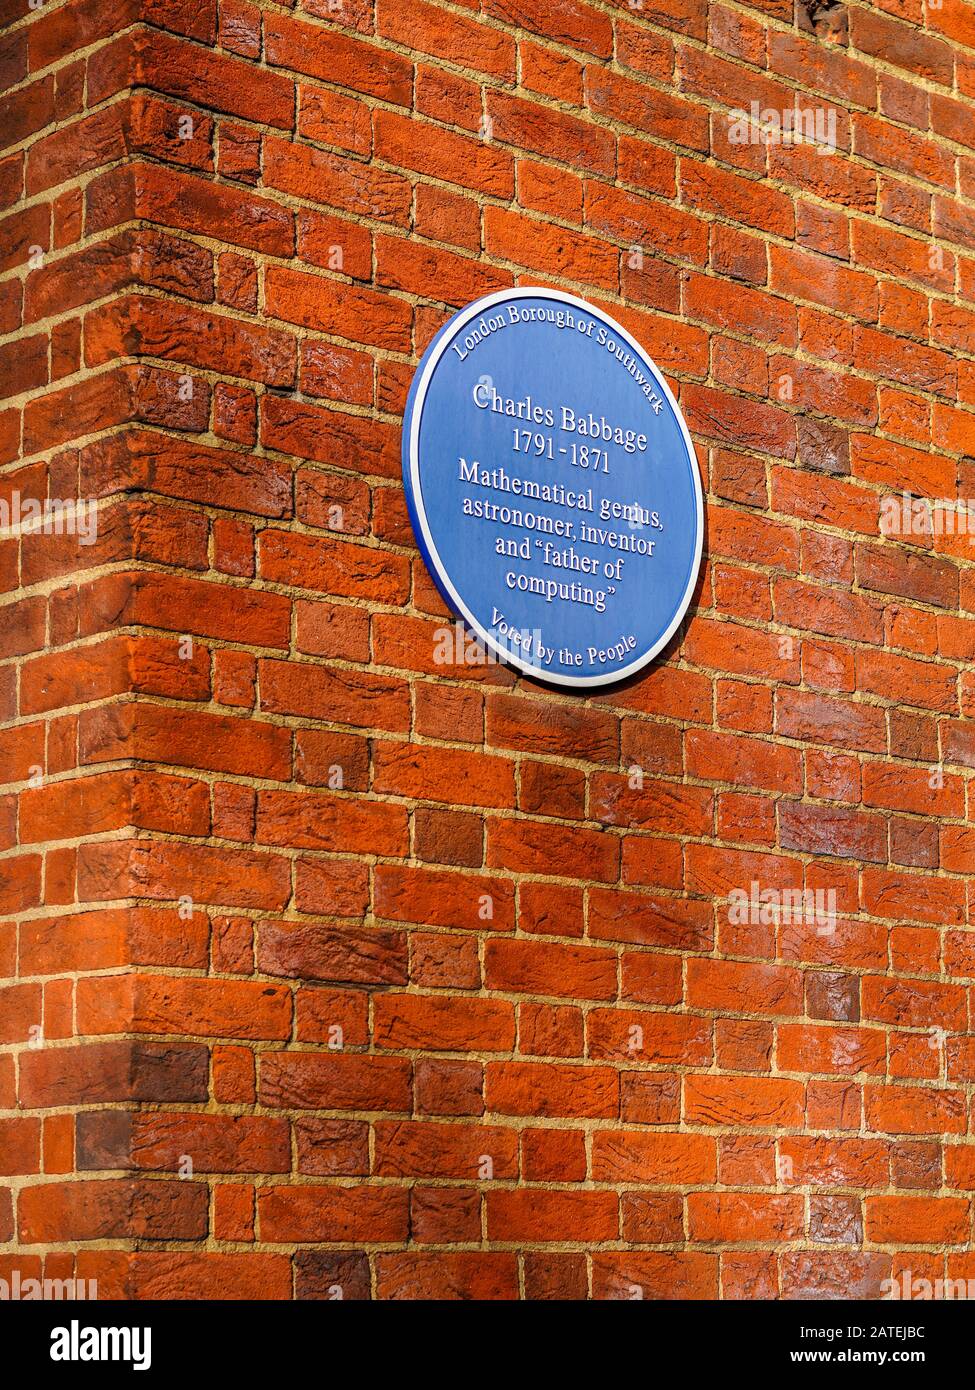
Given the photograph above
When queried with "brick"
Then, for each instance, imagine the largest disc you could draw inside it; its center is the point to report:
(762, 1102)
(443, 1025)
(543, 1215)
(238, 878)
(299, 951)
(525, 846)
(315, 1081)
(143, 325)
(447, 1275)
(918, 1220)
(119, 1070)
(112, 1209)
(345, 61)
(331, 307)
(324, 821)
(651, 112)
(189, 203)
(117, 1139)
(341, 921)
(314, 1213)
(154, 1004)
(443, 1150)
(425, 27)
(532, 1088)
(534, 967)
(322, 177)
(442, 154)
(664, 1274)
(509, 237)
(672, 1159)
(897, 43)
(738, 1218)
(711, 299)
(157, 733)
(566, 21)
(411, 770)
(358, 699)
(440, 898)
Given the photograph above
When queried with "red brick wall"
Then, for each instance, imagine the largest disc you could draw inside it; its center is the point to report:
(562, 1069)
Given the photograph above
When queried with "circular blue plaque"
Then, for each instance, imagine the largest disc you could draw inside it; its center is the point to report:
(552, 486)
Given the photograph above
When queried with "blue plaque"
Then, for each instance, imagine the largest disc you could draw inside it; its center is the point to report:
(552, 486)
